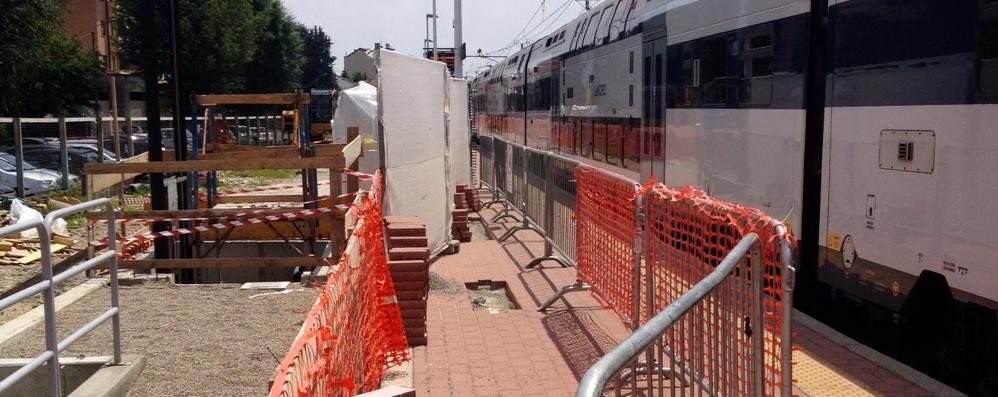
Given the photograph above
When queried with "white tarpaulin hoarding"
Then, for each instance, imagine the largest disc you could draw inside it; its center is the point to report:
(413, 102)
(358, 107)
(459, 136)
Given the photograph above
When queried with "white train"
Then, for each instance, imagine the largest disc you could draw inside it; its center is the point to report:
(871, 125)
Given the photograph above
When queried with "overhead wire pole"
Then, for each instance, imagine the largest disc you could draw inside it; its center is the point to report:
(458, 42)
(435, 57)
(150, 72)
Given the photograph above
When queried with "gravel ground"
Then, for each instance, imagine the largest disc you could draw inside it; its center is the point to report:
(198, 340)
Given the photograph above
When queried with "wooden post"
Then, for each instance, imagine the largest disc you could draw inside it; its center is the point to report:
(63, 153)
(19, 156)
(128, 135)
(353, 182)
(100, 138)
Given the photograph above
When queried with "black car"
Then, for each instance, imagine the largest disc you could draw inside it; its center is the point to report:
(48, 157)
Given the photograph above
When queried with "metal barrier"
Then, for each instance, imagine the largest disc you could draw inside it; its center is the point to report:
(540, 187)
(46, 287)
(677, 333)
(640, 250)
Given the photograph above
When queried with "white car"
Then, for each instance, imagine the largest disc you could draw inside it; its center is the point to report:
(36, 180)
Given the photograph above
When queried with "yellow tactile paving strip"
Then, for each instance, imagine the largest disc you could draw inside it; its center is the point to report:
(824, 368)
(817, 379)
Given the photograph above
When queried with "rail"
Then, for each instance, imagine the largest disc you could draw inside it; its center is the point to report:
(594, 381)
(46, 287)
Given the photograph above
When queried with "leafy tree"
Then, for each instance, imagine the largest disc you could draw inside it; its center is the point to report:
(44, 70)
(277, 64)
(227, 46)
(318, 69)
(358, 77)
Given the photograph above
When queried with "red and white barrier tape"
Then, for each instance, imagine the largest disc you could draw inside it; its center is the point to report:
(130, 221)
(301, 214)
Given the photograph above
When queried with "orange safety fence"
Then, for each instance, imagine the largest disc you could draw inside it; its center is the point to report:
(606, 233)
(354, 331)
(688, 235)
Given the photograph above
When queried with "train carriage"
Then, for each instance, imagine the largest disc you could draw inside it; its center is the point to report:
(870, 125)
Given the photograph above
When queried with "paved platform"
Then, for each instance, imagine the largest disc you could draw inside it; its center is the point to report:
(527, 353)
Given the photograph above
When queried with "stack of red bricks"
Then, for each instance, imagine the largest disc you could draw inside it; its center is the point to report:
(408, 259)
(459, 226)
(470, 197)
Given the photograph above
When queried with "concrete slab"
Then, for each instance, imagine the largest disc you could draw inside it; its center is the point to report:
(14, 328)
(266, 285)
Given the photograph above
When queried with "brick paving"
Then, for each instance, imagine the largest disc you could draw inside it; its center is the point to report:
(527, 353)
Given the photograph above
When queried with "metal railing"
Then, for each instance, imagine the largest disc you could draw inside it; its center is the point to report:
(676, 322)
(50, 281)
(737, 318)
(539, 187)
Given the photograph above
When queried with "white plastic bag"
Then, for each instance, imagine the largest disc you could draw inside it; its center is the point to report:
(21, 213)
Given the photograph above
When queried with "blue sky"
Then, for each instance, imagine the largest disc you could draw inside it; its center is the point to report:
(490, 25)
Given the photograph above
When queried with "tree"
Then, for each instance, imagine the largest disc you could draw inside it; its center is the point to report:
(277, 64)
(44, 70)
(317, 72)
(228, 46)
(358, 77)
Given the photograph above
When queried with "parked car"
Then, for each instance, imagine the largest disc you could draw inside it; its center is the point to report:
(91, 144)
(6, 190)
(168, 138)
(35, 180)
(48, 157)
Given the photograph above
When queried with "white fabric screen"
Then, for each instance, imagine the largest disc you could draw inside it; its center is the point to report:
(413, 95)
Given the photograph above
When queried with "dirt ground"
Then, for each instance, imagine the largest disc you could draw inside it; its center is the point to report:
(199, 340)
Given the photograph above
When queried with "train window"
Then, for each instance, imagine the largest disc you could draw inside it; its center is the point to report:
(618, 21)
(548, 43)
(602, 26)
(608, 22)
(590, 27)
(987, 72)
(586, 139)
(756, 84)
(630, 95)
(632, 144)
(570, 93)
(713, 71)
(614, 141)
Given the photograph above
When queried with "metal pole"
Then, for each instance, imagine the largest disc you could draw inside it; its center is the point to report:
(48, 297)
(19, 156)
(435, 57)
(150, 72)
(128, 134)
(458, 42)
(113, 80)
(63, 155)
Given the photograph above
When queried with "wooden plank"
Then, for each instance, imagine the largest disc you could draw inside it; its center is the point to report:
(231, 147)
(279, 153)
(100, 182)
(202, 213)
(260, 198)
(214, 263)
(254, 99)
(334, 164)
(353, 150)
(34, 256)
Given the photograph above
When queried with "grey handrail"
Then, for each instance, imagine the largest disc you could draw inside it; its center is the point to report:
(595, 380)
(46, 287)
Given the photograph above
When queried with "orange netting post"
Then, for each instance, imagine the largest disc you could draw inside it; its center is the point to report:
(354, 331)
(606, 227)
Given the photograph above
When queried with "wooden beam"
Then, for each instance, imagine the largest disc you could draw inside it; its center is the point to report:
(202, 213)
(254, 99)
(261, 198)
(331, 163)
(352, 151)
(214, 263)
(101, 182)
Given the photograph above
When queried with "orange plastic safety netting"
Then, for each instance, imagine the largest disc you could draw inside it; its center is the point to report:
(354, 331)
(606, 233)
(688, 235)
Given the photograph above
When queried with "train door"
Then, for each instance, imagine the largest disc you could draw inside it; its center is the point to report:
(653, 109)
